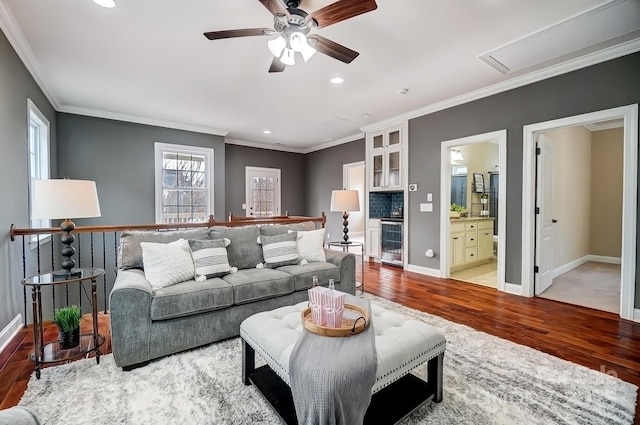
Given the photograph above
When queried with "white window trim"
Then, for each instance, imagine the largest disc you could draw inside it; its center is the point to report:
(208, 153)
(33, 113)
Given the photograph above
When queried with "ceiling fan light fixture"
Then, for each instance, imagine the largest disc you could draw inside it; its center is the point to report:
(105, 3)
(277, 45)
(288, 57)
(307, 52)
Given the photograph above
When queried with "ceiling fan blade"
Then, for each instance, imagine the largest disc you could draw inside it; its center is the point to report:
(275, 7)
(333, 49)
(341, 10)
(277, 65)
(247, 32)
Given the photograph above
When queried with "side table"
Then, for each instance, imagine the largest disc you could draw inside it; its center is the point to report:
(48, 353)
(345, 248)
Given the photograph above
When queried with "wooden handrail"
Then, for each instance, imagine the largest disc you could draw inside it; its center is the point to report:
(238, 221)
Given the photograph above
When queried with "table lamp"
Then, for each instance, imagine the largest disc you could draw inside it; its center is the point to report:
(65, 199)
(345, 201)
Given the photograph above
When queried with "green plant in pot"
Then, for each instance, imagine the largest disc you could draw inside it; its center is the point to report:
(67, 319)
(457, 210)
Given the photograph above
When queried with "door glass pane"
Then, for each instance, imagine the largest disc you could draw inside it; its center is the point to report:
(394, 138)
(377, 141)
(394, 168)
(263, 205)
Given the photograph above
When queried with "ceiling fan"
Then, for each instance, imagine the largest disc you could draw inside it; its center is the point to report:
(292, 25)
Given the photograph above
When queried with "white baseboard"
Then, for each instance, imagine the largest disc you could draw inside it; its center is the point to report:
(580, 261)
(10, 331)
(636, 315)
(603, 259)
(512, 288)
(423, 270)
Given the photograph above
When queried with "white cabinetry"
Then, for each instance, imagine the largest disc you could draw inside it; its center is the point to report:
(373, 241)
(471, 243)
(385, 159)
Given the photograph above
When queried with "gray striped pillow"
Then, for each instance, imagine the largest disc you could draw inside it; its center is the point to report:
(210, 257)
(280, 250)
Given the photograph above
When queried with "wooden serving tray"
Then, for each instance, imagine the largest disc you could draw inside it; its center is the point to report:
(349, 325)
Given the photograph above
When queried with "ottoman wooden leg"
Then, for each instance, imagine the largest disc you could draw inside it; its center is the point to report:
(434, 371)
(248, 361)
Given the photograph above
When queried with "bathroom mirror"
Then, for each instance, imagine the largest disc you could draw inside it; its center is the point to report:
(459, 189)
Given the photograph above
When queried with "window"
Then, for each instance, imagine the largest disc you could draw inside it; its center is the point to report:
(184, 183)
(38, 137)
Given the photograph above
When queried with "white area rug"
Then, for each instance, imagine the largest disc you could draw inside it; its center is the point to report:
(487, 380)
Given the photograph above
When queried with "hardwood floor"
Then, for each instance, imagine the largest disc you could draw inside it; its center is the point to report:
(596, 339)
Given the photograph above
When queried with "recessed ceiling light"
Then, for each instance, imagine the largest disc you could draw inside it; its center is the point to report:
(266, 131)
(105, 3)
(337, 80)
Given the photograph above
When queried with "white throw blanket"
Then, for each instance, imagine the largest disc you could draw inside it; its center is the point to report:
(331, 377)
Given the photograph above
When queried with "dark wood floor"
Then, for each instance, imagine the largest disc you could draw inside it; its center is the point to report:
(596, 339)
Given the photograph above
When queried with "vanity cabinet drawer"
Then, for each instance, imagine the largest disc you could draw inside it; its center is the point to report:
(473, 225)
(485, 224)
(471, 254)
(471, 238)
(457, 227)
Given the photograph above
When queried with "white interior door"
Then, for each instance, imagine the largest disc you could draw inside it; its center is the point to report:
(354, 179)
(544, 219)
(262, 192)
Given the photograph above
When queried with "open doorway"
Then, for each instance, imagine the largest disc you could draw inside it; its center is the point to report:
(353, 178)
(544, 258)
(472, 216)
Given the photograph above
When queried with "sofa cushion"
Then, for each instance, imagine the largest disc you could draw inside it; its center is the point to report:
(303, 274)
(256, 284)
(279, 250)
(281, 229)
(210, 257)
(190, 297)
(310, 245)
(130, 251)
(244, 251)
(166, 264)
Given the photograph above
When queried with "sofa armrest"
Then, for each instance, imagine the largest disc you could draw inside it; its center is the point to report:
(130, 317)
(346, 263)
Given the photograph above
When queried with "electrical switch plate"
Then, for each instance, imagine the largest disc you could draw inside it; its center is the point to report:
(429, 197)
(244, 206)
(426, 207)
(413, 187)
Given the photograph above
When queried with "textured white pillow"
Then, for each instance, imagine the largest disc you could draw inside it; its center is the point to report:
(311, 245)
(166, 264)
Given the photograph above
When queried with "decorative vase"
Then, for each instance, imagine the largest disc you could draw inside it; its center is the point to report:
(454, 214)
(484, 200)
(69, 339)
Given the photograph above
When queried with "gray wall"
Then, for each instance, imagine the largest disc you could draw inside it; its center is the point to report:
(324, 174)
(607, 85)
(292, 175)
(119, 156)
(16, 85)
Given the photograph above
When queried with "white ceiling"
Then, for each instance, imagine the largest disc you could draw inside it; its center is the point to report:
(147, 61)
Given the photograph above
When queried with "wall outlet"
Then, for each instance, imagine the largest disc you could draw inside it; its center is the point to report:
(328, 236)
(244, 206)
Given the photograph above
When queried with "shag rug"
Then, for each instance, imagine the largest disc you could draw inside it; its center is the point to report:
(487, 380)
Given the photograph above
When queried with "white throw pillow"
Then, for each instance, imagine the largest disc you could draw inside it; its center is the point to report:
(311, 245)
(166, 264)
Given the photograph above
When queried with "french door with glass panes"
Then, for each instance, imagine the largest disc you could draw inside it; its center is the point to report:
(262, 192)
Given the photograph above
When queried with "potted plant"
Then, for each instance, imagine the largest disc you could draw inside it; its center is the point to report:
(484, 198)
(67, 319)
(456, 210)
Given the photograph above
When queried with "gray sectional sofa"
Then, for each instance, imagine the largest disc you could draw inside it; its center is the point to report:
(147, 323)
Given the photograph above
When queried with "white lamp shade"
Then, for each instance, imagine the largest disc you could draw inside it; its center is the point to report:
(277, 45)
(288, 57)
(345, 201)
(64, 198)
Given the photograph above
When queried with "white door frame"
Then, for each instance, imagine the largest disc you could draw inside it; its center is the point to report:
(499, 137)
(629, 199)
(345, 168)
(248, 170)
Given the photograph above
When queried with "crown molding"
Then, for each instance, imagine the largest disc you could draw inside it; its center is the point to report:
(337, 142)
(140, 120)
(590, 59)
(16, 38)
(259, 145)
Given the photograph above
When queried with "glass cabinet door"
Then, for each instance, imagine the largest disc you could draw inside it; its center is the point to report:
(394, 138)
(394, 176)
(377, 176)
(378, 141)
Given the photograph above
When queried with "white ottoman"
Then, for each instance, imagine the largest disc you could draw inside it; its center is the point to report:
(401, 345)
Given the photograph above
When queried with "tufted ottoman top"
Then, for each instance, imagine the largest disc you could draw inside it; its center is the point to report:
(401, 343)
